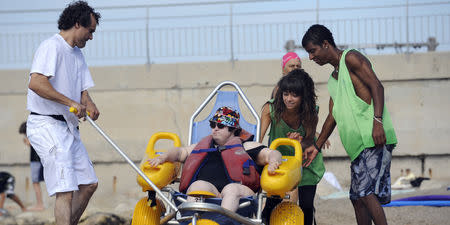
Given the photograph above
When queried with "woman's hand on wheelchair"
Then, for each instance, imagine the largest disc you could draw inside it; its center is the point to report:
(295, 136)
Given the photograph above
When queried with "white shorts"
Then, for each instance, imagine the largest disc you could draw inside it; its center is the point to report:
(65, 159)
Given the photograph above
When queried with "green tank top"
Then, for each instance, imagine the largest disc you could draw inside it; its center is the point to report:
(312, 174)
(353, 116)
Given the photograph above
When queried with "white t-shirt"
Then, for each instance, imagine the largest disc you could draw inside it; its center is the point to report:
(68, 74)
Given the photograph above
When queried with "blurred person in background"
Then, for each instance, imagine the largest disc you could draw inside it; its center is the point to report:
(290, 61)
(37, 170)
(7, 182)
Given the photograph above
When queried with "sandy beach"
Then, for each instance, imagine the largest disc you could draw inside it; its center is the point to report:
(340, 210)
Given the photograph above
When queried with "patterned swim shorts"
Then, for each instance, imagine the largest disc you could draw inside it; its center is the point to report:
(370, 174)
(7, 182)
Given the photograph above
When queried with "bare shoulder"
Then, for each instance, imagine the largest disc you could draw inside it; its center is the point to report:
(266, 108)
(355, 60)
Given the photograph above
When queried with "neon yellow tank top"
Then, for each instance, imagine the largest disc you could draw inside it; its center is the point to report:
(353, 116)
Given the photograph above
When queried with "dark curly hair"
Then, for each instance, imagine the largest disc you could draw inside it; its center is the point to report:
(300, 83)
(317, 34)
(77, 12)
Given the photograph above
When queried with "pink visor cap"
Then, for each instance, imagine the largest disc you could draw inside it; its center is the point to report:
(289, 56)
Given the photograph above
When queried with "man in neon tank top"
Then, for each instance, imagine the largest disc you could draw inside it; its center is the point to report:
(357, 108)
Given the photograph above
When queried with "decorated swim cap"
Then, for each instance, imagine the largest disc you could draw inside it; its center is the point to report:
(226, 116)
(289, 56)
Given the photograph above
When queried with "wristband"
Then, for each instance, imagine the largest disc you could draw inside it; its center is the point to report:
(317, 147)
(378, 120)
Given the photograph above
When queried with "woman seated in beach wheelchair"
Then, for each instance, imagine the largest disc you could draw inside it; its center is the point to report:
(225, 165)
(221, 179)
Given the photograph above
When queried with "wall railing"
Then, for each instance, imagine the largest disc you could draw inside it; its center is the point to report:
(145, 39)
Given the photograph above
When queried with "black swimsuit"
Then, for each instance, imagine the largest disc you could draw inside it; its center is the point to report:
(213, 168)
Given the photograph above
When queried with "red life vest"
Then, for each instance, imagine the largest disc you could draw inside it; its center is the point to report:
(239, 165)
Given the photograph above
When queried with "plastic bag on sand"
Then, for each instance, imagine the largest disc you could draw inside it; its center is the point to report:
(331, 179)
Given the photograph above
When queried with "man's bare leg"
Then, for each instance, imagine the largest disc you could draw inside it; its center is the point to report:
(231, 194)
(63, 208)
(361, 213)
(39, 203)
(80, 200)
(374, 207)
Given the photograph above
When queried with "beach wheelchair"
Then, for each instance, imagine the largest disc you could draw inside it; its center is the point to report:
(172, 207)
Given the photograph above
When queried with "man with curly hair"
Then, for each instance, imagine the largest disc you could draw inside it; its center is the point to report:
(59, 79)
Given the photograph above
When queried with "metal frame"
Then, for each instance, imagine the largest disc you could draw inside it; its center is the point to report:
(139, 171)
(185, 206)
(211, 95)
(209, 207)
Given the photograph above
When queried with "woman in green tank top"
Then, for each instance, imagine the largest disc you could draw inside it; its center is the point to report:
(293, 114)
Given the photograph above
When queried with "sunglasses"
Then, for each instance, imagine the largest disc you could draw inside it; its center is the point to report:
(213, 125)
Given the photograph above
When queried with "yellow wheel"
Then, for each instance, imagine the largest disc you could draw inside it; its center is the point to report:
(287, 213)
(145, 215)
(205, 222)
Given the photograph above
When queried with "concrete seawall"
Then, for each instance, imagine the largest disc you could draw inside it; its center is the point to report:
(137, 101)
